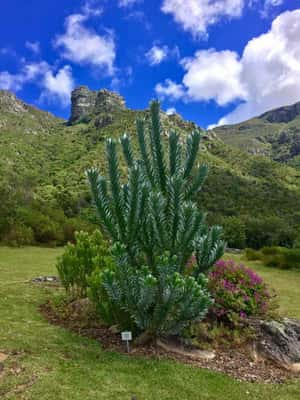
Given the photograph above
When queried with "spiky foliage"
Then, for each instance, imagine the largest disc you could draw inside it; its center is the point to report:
(155, 211)
(156, 226)
(159, 303)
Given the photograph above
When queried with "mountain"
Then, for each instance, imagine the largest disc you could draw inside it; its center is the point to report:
(275, 134)
(44, 195)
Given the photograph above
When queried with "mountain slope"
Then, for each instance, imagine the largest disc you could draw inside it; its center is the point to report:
(275, 133)
(44, 194)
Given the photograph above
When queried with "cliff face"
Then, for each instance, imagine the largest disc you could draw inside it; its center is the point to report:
(83, 102)
(87, 103)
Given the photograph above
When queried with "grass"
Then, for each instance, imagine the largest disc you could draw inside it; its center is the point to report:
(49, 363)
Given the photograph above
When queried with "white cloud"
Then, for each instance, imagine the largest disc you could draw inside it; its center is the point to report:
(196, 16)
(271, 69)
(157, 54)
(127, 3)
(83, 45)
(33, 46)
(91, 8)
(9, 81)
(56, 86)
(171, 111)
(28, 73)
(170, 89)
(213, 75)
(273, 3)
(268, 6)
(267, 75)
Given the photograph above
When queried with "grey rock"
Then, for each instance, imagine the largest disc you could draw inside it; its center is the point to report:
(279, 342)
(83, 102)
(45, 279)
(107, 102)
(87, 104)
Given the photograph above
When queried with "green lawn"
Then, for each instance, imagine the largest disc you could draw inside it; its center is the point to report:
(48, 362)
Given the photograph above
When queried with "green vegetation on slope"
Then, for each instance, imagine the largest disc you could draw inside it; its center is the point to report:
(44, 194)
(276, 134)
(49, 363)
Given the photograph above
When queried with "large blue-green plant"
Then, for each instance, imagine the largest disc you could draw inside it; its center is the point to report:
(154, 210)
(153, 219)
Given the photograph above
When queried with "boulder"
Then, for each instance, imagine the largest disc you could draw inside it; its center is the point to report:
(279, 341)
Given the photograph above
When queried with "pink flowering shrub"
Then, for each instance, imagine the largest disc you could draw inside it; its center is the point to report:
(238, 293)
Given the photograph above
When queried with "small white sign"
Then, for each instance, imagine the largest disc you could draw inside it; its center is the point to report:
(126, 336)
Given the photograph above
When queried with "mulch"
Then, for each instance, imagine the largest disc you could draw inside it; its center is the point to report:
(234, 362)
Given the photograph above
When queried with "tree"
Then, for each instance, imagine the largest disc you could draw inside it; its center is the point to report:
(153, 215)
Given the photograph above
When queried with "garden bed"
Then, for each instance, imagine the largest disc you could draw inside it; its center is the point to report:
(235, 362)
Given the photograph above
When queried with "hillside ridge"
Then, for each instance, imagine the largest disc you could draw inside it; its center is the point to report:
(282, 114)
(45, 197)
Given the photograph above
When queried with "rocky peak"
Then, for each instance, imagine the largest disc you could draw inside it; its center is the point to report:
(10, 103)
(107, 102)
(282, 114)
(87, 103)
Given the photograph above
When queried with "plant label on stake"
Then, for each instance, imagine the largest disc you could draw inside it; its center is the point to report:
(127, 337)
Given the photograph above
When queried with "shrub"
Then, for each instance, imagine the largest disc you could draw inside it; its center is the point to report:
(19, 235)
(81, 259)
(73, 225)
(238, 293)
(292, 258)
(281, 257)
(268, 231)
(154, 213)
(45, 226)
(159, 304)
(252, 255)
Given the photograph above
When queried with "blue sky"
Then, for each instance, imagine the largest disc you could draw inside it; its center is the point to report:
(214, 62)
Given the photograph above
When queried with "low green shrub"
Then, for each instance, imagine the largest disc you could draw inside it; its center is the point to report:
(211, 335)
(19, 235)
(238, 293)
(269, 231)
(292, 258)
(73, 225)
(81, 259)
(252, 255)
(281, 257)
